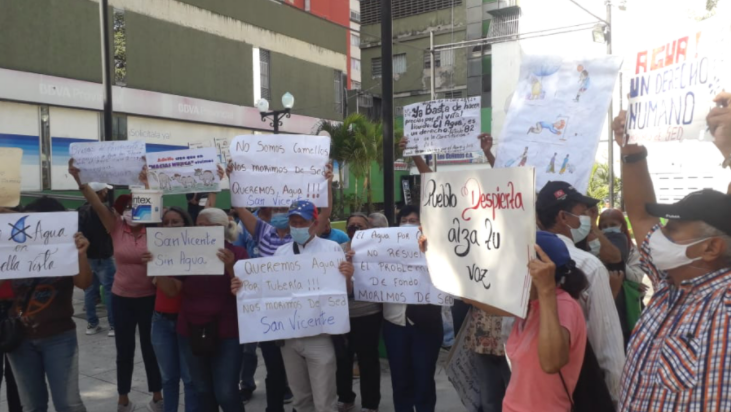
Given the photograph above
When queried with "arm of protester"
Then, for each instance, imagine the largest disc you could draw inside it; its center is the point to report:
(143, 177)
(235, 285)
(85, 276)
(486, 143)
(229, 259)
(247, 218)
(347, 269)
(616, 278)
(637, 191)
(719, 124)
(325, 212)
(106, 215)
(419, 161)
(553, 338)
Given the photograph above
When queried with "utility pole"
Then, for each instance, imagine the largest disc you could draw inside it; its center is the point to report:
(433, 82)
(106, 68)
(387, 108)
(610, 115)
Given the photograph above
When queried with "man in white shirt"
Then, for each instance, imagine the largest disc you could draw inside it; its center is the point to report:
(562, 210)
(310, 362)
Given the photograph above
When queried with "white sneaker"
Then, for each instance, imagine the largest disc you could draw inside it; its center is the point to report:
(126, 408)
(155, 406)
(93, 330)
(111, 333)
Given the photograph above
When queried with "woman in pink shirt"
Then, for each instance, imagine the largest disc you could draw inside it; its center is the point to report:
(133, 294)
(546, 349)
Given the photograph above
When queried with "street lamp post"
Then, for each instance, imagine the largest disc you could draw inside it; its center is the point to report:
(276, 115)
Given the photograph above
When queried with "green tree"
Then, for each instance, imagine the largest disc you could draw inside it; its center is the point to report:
(599, 184)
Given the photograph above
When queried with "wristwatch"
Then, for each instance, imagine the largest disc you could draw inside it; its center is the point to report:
(635, 157)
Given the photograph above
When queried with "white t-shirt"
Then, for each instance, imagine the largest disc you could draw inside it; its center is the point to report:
(316, 245)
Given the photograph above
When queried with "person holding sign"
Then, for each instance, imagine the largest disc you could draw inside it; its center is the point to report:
(310, 361)
(562, 210)
(551, 340)
(678, 358)
(362, 341)
(413, 335)
(207, 322)
(49, 349)
(133, 293)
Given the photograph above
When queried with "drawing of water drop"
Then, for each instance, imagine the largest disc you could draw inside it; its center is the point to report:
(18, 234)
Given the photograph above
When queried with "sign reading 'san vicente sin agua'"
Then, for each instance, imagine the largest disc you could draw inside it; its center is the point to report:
(481, 228)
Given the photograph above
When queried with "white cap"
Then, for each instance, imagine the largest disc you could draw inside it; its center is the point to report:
(97, 187)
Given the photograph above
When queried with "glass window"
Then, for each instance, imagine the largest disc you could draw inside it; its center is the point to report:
(355, 64)
(264, 59)
(376, 67)
(399, 63)
(354, 40)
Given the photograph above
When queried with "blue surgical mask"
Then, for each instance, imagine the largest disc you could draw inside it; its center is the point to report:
(280, 221)
(595, 247)
(612, 229)
(300, 234)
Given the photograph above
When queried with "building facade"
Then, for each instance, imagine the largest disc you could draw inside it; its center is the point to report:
(187, 74)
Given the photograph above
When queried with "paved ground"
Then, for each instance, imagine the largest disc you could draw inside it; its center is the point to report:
(98, 376)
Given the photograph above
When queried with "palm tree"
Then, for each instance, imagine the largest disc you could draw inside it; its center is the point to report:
(599, 183)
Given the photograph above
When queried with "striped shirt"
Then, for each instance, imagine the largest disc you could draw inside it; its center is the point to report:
(602, 321)
(679, 357)
(267, 238)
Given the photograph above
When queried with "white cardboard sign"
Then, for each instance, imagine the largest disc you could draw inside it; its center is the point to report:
(35, 245)
(180, 251)
(277, 170)
(481, 227)
(443, 126)
(390, 268)
(114, 163)
(184, 171)
(291, 297)
(10, 176)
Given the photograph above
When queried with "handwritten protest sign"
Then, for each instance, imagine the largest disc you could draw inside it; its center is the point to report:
(116, 163)
(443, 126)
(291, 297)
(34, 245)
(556, 117)
(184, 171)
(462, 371)
(10, 176)
(675, 80)
(481, 226)
(390, 268)
(276, 170)
(185, 251)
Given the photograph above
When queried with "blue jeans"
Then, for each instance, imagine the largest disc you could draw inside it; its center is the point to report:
(104, 270)
(248, 367)
(55, 358)
(412, 355)
(216, 376)
(173, 366)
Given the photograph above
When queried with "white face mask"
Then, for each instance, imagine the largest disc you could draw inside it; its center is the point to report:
(595, 246)
(612, 229)
(667, 255)
(127, 217)
(584, 228)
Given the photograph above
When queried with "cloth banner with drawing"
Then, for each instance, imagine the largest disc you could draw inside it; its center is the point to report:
(481, 228)
(184, 171)
(675, 77)
(556, 117)
(36, 245)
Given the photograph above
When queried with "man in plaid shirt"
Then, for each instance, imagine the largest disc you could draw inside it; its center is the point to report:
(679, 357)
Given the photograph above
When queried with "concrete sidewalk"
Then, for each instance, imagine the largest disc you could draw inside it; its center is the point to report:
(98, 375)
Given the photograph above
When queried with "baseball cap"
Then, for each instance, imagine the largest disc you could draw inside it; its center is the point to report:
(96, 186)
(708, 206)
(554, 247)
(554, 193)
(303, 208)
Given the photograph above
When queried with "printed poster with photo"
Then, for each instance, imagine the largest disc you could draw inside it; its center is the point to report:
(556, 117)
(184, 171)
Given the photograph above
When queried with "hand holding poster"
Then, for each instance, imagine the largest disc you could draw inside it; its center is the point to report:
(443, 126)
(185, 251)
(10, 176)
(276, 170)
(390, 268)
(556, 117)
(291, 297)
(184, 171)
(35, 245)
(481, 226)
(116, 163)
(675, 80)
